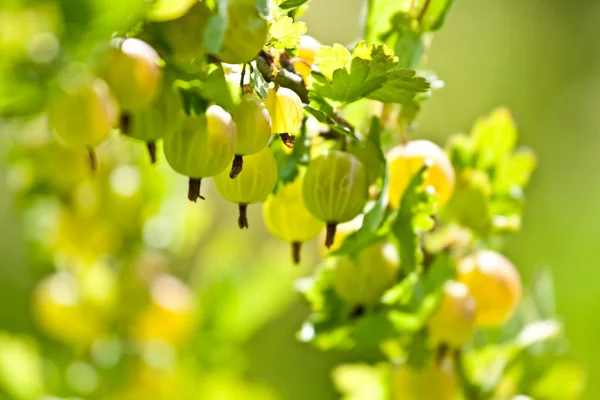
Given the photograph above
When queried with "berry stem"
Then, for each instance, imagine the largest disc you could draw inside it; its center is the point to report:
(236, 166)
(330, 236)
(194, 189)
(92, 158)
(125, 123)
(242, 78)
(287, 139)
(152, 151)
(296, 247)
(243, 218)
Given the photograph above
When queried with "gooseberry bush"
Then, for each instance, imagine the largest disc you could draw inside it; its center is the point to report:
(321, 137)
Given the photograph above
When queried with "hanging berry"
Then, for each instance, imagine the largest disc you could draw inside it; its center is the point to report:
(253, 125)
(287, 218)
(253, 185)
(202, 147)
(286, 110)
(335, 189)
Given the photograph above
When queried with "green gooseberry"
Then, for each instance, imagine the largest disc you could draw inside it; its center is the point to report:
(202, 147)
(253, 184)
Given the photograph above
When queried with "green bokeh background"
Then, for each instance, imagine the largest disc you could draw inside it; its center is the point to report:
(540, 58)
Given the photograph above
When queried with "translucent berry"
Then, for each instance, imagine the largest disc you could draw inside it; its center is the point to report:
(131, 69)
(405, 160)
(287, 218)
(253, 185)
(494, 283)
(453, 322)
(253, 125)
(335, 189)
(361, 282)
(202, 147)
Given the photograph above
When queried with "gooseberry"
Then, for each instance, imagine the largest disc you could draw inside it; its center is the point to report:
(165, 10)
(253, 125)
(202, 147)
(82, 116)
(361, 282)
(494, 283)
(305, 58)
(185, 35)
(253, 185)
(405, 160)
(286, 111)
(246, 33)
(131, 69)
(434, 381)
(335, 189)
(152, 123)
(453, 321)
(287, 218)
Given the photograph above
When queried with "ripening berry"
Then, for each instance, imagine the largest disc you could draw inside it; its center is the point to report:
(287, 218)
(166, 10)
(405, 160)
(361, 282)
(202, 147)
(494, 283)
(171, 314)
(152, 123)
(307, 49)
(286, 110)
(83, 116)
(246, 33)
(253, 185)
(453, 322)
(335, 189)
(435, 381)
(253, 125)
(131, 69)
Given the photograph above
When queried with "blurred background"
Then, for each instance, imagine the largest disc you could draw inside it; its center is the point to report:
(540, 58)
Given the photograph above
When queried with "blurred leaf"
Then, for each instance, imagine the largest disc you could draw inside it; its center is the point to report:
(405, 38)
(379, 16)
(410, 219)
(563, 380)
(264, 7)
(543, 294)
(290, 5)
(469, 204)
(216, 27)
(495, 136)
(515, 171)
(284, 33)
(434, 15)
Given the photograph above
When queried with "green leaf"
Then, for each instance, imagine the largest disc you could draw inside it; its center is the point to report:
(290, 5)
(372, 73)
(284, 33)
(470, 203)
(379, 16)
(216, 27)
(330, 59)
(264, 7)
(258, 82)
(495, 136)
(406, 39)
(563, 380)
(410, 219)
(435, 14)
(215, 88)
(516, 171)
